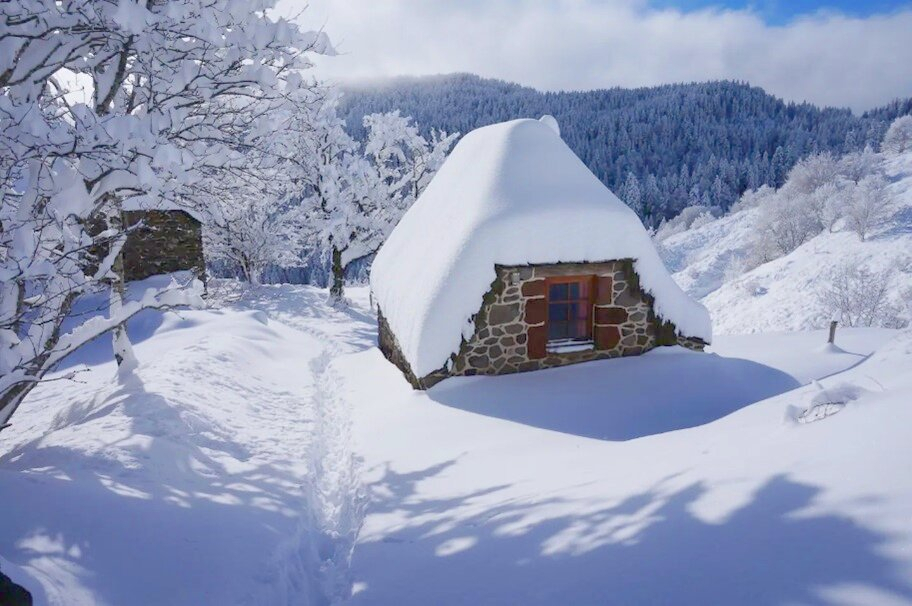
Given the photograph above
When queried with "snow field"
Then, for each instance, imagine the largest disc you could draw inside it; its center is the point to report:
(264, 452)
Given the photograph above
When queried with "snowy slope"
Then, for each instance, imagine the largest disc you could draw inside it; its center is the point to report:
(475, 499)
(700, 258)
(782, 295)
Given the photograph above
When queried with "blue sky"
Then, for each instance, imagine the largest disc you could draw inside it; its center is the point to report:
(779, 12)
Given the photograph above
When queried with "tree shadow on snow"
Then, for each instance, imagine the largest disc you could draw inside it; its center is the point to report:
(647, 548)
(184, 502)
(620, 399)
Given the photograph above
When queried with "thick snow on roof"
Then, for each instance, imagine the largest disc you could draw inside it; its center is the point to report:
(146, 205)
(510, 194)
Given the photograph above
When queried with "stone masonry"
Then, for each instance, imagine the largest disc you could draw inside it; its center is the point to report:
(167, 241)
(511, 326)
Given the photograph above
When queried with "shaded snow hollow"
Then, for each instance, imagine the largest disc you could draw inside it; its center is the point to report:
(510, 194)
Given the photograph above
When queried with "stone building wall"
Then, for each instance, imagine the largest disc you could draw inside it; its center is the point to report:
(511, 331)
(167, 241)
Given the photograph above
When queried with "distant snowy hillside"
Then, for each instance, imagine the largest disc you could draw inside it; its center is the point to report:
(679, 141)
(785, 294)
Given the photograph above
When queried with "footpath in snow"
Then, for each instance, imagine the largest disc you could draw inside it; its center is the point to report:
(217, 473)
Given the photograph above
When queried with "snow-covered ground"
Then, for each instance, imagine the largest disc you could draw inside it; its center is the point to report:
(782, 295)
(208, 476)
(260, 442)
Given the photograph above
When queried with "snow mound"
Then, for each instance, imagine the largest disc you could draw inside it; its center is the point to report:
(511, 194)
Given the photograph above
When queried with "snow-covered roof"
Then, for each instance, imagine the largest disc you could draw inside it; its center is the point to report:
(144, 204)
(509, 194)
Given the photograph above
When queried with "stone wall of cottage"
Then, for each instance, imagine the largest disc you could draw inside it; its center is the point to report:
(511, 332)
(167, 241)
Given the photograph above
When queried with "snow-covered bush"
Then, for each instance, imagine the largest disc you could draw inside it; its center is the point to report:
(752, 198)
(828, 203)
(868, 206)
(810, 173)
(701, 215)
(856, 295)
(898, 138)
(855, 166)
(786, 221)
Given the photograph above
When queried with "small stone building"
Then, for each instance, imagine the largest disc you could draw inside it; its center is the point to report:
(517, 258)
(162, 241)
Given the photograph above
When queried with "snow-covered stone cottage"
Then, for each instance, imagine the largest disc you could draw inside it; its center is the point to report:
(161, 240)
(516, 258)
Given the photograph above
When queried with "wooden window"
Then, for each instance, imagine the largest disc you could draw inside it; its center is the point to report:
(570, 301)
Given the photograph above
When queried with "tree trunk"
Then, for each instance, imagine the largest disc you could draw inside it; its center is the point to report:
(123, 349)
(11, 399)
(336, 290)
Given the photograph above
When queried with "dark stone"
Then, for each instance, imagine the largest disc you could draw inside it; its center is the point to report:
(479, 362)
(495, 351)
(501, 314)
(513, 329)
(627, 299)
(521, 339)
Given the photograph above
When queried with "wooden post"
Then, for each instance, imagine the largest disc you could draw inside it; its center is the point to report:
(832, 338)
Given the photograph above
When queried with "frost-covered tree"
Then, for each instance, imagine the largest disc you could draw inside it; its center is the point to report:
(811, 172)
(632, 195)
(828, 203)
(856, 295)
(359, 192)
(869, 205)
(785, 221)
(855, 166)
(898, 138)
(106, 104)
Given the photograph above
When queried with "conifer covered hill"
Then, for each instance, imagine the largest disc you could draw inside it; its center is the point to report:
(678, 144)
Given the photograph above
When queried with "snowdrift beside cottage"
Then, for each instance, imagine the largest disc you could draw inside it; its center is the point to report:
(509, 194)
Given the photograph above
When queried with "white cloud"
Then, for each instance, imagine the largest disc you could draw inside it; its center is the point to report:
(827, 58)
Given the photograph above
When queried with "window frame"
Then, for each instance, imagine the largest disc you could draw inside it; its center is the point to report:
(590, 326)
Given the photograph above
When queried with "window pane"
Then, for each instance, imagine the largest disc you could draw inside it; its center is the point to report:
(558, 312)
(558, 330)
(558, 292)
(574, 290)
(580, 329)
(582, 310)
(584, 289)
